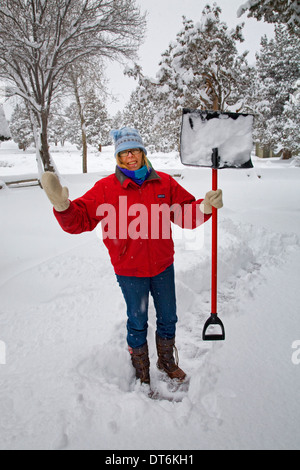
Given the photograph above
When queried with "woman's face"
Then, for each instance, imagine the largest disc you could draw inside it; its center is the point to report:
(131, 159)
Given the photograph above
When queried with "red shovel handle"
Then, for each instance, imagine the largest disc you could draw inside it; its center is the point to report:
(214, 267)
(213, 319)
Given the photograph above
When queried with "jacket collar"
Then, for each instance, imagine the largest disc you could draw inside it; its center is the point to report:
(125, 180)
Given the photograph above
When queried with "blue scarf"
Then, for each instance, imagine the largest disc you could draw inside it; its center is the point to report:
(138, 176)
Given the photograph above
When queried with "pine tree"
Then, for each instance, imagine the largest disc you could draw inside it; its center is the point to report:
(139, 113)
(200, 69)
(278, 64)
(58, 126)
(20, 127)
(274, 11)
(97, 122)
(117, 122)
(73, 134)
(57, 130)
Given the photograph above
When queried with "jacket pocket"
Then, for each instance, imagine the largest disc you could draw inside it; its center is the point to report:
(123, 250)
(117, 249)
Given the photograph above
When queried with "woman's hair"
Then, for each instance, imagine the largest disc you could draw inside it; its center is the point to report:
(145, 161)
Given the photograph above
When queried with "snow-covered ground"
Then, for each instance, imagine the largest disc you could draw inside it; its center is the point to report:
(66, 381)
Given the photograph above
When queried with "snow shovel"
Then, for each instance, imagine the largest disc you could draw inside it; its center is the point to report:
(216, 140)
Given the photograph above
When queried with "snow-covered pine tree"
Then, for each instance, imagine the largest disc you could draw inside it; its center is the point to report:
(278, 68)
(274, 11)
(58, 129)
(135, 114)
(73, 134)
(117, 122)
(289, 132)
(203, 69)
(200, 69)
(139, 113)
(97, 122)
(147, 111)
(21, 127)
(58, 126)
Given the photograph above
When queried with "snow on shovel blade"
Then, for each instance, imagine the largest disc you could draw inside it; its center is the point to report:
(230, 133)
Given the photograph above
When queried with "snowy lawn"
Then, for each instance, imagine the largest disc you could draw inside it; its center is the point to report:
(66, 378)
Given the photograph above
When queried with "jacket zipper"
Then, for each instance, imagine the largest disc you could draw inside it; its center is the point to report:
(149, 231)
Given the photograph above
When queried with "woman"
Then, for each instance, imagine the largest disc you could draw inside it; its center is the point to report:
(136, 206)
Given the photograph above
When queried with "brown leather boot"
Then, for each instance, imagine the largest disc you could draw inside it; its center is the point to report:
(141, 363)
(166, 360)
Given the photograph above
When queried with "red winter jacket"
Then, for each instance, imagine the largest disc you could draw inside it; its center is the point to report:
(135, 220)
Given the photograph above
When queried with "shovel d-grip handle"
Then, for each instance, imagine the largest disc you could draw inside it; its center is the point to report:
(214, 320)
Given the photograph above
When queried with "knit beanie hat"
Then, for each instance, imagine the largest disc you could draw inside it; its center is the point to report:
(127, 138)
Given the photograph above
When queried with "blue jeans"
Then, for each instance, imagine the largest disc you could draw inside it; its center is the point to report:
(136, 293)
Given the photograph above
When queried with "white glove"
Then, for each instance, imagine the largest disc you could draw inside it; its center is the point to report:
(56, 193)
(212, 199)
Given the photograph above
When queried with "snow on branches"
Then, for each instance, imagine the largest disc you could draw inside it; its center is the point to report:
(274, 11)
(39, 39)
(200, 69)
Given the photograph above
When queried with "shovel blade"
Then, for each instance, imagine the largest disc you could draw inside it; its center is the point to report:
(213, 320)
(230, 133)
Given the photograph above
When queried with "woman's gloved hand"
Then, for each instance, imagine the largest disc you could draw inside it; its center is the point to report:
(55, 192)
(212, 199)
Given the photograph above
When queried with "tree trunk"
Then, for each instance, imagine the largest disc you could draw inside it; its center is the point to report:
(84, 146)
(266, 151)
(39, 128)
(82, 125)
(44, 146)
(216, 104)
(286, 154)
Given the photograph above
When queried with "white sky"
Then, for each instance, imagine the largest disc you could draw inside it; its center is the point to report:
(164, 22)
